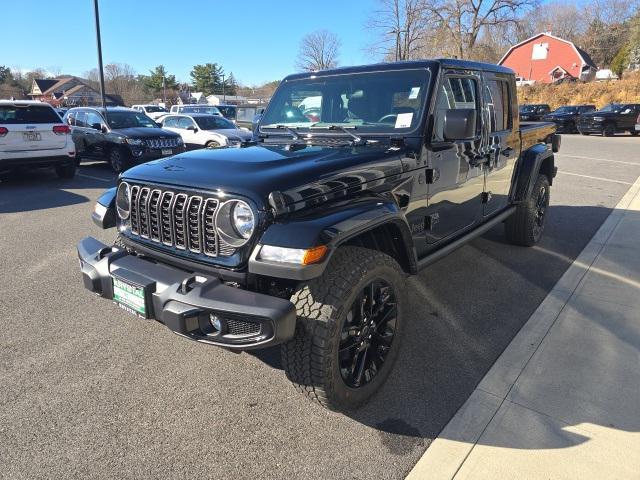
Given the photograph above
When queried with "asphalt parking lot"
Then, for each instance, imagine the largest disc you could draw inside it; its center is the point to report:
(89, 391)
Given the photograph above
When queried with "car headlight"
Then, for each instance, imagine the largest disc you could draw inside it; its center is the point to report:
(134, 141)
(235, 222)
(123, 201)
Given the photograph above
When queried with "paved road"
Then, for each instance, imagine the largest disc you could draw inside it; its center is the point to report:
(89, 391)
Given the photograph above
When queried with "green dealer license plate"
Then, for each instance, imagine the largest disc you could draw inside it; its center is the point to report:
(130, 297)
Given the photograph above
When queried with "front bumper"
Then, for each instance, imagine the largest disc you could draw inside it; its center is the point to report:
(184, 302)
(146, 154)
(591, 127)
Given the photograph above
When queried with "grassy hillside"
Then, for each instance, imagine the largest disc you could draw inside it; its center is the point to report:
(626, 90)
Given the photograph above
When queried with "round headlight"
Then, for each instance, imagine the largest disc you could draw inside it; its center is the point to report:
(123, 200)
(235, 222)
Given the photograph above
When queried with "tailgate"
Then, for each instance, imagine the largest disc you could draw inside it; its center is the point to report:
(30, 127)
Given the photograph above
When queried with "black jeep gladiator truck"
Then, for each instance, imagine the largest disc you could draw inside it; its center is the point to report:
(306, 238)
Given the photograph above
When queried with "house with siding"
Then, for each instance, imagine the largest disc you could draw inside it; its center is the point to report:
(68, 91)
(545, 58)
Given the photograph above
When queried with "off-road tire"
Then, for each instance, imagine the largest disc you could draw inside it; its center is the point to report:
(67, 171)
(119, 160)
(310, 359)
(521, 227)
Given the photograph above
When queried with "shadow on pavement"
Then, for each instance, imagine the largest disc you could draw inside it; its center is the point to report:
(464, 311)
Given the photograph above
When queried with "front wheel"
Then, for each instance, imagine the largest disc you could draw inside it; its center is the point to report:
(349, 327)
(526, 225)
(212, 144)
(609, 130)
(118, 160)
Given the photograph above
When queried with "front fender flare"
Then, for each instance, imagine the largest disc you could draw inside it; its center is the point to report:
(330, 226)
(105, 217)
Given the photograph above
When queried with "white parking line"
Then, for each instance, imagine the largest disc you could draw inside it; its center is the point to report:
(637, 164)
(595, 178)
(94, 178)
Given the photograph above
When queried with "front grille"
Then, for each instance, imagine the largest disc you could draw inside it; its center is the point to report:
(178, 220)
(162, 142)
(240, 327)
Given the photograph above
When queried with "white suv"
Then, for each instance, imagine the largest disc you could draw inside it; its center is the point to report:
(154, 112)
(210, 131)
(33, 135)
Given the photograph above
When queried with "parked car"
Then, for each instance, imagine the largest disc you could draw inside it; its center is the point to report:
(230, 112)
(200, 130)
(306, 239)
(32, 135)
(122, 136)
(208, 109)
(152, 111)
(566, 117)
(533, 112)
(611, 119)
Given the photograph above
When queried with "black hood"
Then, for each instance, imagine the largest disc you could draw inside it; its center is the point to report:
(256, 171)
(145, 132)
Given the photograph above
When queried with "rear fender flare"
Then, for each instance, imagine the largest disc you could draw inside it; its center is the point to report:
(537, 159)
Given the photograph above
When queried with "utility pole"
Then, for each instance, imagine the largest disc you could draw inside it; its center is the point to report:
(224, 96)
(164, 92)
(100, 69)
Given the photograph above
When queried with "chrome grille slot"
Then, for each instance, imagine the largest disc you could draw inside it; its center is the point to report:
(210, 239)
(135, 190)
(193, 224)
(153, 214)
(178, 221)
(143, 213)
(166, 232)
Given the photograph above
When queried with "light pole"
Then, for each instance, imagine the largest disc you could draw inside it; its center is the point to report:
(224, 96)
(398, 50)
(100, 69)
(164, 92)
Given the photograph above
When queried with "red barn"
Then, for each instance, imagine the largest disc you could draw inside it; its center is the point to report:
(547, 59)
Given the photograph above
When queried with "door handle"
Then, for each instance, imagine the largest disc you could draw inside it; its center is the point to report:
(507, 152)
(480, 159)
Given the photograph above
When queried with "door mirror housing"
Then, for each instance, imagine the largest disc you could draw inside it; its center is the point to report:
(192, 128)
(460, 124)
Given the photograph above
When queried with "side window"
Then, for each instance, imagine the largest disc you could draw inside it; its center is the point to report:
(92, 118)
(184, 122)
(497, 101)
(171, 122)
(455, 93)
(81, 119)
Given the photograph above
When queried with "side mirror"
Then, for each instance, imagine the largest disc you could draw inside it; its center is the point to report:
(96, 126)
(460, 124)
(192, 128)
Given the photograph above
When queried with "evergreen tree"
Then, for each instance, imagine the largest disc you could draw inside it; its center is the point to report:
(153, 81)
(207, 78)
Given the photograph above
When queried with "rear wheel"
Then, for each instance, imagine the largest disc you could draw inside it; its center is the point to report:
(634, 133)
(349, 327)
(526, 225)
(583, 133)
(66, 171)
(118, 160)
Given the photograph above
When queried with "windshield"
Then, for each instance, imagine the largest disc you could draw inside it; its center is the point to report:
(154, 109)
(612, 107)
(567, 109)
(214, 123)
(203, 109)
(528, 108)
(227, 111)
(118, 120)
(376, 102)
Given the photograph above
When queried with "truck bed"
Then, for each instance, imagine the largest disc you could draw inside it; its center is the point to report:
(536, 132)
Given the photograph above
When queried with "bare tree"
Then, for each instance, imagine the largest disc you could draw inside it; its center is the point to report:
(318, 51)
(402, 28)
(465, 20)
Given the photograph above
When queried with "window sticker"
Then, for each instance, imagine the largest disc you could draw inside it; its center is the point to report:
(414, 93)
(403, 120)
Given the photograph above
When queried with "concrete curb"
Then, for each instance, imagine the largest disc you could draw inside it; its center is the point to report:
(450, 449)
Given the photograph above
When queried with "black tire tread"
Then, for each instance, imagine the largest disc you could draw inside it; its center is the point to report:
(305, 357)
(518, 227)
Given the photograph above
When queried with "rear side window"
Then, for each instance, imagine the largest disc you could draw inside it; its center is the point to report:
(497, 101)
(15, 114)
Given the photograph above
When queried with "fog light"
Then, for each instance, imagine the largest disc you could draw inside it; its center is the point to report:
(215, 322)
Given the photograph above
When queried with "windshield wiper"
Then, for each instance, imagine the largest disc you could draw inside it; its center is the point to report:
(356, 138)
(290, 131)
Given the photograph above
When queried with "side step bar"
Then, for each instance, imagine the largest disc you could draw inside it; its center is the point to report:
(447, 249)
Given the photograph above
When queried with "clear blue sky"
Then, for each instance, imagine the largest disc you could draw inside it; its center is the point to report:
(257, 40)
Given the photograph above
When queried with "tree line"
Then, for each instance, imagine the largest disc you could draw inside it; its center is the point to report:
(483, 30)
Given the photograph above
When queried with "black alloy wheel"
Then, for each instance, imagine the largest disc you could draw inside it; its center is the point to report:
(367, 334)
(542, 202)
